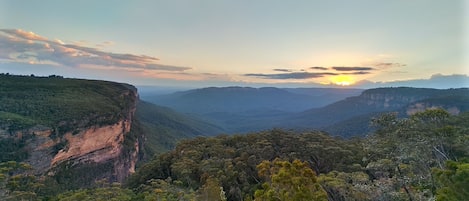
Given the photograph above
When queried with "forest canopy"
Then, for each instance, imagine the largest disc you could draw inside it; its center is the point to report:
(422, 157)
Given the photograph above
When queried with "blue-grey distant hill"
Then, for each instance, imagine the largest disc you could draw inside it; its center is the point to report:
(242, 109)
(344, 112)
(352, 115)
(242, 99)
(436, 81)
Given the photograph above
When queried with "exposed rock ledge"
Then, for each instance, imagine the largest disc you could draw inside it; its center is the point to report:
(97, 144)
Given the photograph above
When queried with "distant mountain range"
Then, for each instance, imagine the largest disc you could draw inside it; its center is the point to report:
(342, 112)
(352, 115)
(437, 81)
(243, 99)
(244, 109)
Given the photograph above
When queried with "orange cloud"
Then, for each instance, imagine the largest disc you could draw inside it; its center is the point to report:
(19, 42)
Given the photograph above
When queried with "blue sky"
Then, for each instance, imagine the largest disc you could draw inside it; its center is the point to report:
(301, 43)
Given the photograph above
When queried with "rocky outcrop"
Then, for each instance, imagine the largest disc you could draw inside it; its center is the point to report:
(95, 144)
(73, 130)
(392, 98)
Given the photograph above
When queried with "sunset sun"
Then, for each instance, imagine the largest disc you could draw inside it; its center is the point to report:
(342, 80)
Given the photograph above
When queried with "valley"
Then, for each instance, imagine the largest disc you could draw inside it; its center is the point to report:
(64, 138)
(244, 109)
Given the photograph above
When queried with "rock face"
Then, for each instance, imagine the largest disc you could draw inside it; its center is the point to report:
(75, 131)
(94, 144)
(101, 144)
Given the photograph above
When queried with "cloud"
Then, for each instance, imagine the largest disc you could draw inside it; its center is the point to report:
(282, 70)
(341, 68)
(28, 47)
(388, 65)
(318, 68)
(356, 73)
(296, 75)
(24, 34)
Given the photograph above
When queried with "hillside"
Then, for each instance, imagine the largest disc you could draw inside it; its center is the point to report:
(49, 101)
(82, 134)
(80, 131)
(352, 115)
(402, 160)
(246, 109)
(74, 130)
(164, 127)
(245, 99)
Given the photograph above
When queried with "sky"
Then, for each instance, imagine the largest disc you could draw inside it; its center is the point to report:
(200, 43)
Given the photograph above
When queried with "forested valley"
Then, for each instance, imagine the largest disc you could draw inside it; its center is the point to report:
(421, 157)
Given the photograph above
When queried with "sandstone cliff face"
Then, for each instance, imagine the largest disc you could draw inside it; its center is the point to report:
(96, 144)
(388, 100)
(74, 130)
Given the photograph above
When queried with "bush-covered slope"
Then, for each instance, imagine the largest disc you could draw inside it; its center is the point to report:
(246, 109)
(54, 101)
(352, 115)
(233, 159)
(397, 162)
(163, 127)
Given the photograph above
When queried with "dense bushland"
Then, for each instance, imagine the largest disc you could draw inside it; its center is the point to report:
(417, 158)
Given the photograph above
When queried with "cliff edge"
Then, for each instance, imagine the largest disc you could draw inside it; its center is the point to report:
(75, 131)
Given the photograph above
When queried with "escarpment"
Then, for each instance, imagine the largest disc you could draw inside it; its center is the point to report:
(75, 131)
(94, 144)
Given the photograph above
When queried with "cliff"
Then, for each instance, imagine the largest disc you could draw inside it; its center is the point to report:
(75, 131)
(352, 115)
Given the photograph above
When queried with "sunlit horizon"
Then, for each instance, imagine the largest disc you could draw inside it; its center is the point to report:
(301, 44)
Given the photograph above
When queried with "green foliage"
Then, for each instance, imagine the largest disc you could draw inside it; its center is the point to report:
(405, 159)
(69, 176)
(63, 105)
(16, 183)
(13, 149)
(14, 121)
(68, 103)
(233, 159)
(394, 163)
(111, 193)
(211, 191)
(164, 127)
(453, 181)
(403, 151)
(157, 189)
(355, 186)
(288, 182)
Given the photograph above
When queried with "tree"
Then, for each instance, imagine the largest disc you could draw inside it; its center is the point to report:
(16, 183)
(167, 190)
(287, 181)
(211, 191)
(404, 150)
(453, 181)
(111, 193)
(341, 186)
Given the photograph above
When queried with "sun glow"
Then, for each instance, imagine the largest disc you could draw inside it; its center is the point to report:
(342, 80)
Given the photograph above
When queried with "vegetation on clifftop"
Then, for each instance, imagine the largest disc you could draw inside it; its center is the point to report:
(62, 103)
